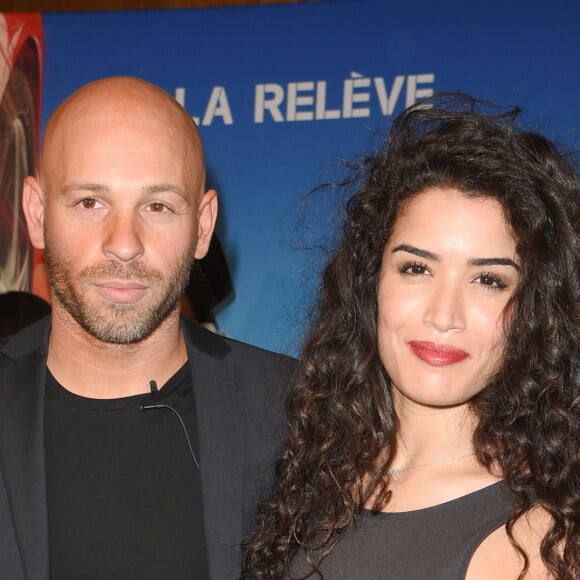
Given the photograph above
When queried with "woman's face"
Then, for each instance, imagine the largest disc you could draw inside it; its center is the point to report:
(447, 274)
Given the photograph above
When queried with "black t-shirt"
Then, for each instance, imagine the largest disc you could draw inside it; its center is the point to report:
(123, 489)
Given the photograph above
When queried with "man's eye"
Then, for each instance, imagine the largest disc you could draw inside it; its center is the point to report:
(88, 203)
(158, 207)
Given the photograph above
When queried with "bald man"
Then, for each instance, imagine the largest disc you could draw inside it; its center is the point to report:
(132, 443)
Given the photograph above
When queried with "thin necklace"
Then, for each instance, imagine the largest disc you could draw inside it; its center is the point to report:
(397, 472)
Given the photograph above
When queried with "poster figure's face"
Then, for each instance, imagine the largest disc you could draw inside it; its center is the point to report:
(18, 105)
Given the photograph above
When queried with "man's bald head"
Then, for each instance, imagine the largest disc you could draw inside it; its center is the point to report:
(121, 103)
(120, 207)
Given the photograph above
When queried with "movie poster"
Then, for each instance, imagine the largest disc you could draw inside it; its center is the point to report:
(20, 105)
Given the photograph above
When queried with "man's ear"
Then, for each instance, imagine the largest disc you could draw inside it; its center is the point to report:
(206, 218)
(33, 205)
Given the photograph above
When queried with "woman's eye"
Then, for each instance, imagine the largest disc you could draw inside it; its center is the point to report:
(491, 281)
(413, 268)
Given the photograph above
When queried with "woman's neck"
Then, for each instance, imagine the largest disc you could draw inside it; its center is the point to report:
(434, 459)
(431, 433)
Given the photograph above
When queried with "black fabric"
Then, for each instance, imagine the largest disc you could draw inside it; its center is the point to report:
(427, 544)
(123, 488)
(239, 392)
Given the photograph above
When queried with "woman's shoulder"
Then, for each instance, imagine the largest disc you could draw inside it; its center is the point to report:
(497, 558)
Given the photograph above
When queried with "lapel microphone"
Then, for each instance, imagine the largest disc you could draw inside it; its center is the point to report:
(154, 390)
(156, 405)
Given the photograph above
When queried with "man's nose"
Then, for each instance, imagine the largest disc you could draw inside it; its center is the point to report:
(123, 237)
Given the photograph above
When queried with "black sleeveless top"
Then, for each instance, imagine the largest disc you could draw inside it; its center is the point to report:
(434, 543)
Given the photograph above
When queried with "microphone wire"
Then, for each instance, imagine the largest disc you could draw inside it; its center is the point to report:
(154, 391)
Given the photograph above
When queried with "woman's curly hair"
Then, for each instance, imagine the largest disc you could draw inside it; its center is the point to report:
(341, 422)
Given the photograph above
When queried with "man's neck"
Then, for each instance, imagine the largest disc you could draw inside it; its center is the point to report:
(92, 368)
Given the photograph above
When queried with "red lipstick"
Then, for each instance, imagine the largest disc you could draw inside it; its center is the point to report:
(437, 355)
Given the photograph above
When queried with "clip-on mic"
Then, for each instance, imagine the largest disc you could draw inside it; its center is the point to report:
(154, 393)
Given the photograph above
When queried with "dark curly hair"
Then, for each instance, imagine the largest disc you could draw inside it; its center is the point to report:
(341, 422)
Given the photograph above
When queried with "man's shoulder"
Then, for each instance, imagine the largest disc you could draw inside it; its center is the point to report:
(232, 350)
(25, 342)
(260, 376)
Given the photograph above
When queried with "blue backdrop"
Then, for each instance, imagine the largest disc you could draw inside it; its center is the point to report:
(280, 91)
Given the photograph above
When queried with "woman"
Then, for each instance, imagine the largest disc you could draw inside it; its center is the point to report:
(433, 430)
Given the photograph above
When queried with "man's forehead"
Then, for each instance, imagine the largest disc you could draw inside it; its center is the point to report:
(89, 127)
(124, 102)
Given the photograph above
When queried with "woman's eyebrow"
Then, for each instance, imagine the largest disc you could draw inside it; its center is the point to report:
(471, 262)
(417, 252)
(494, 262)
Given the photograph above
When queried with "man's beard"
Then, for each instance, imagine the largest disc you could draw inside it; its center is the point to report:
(117, 323)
